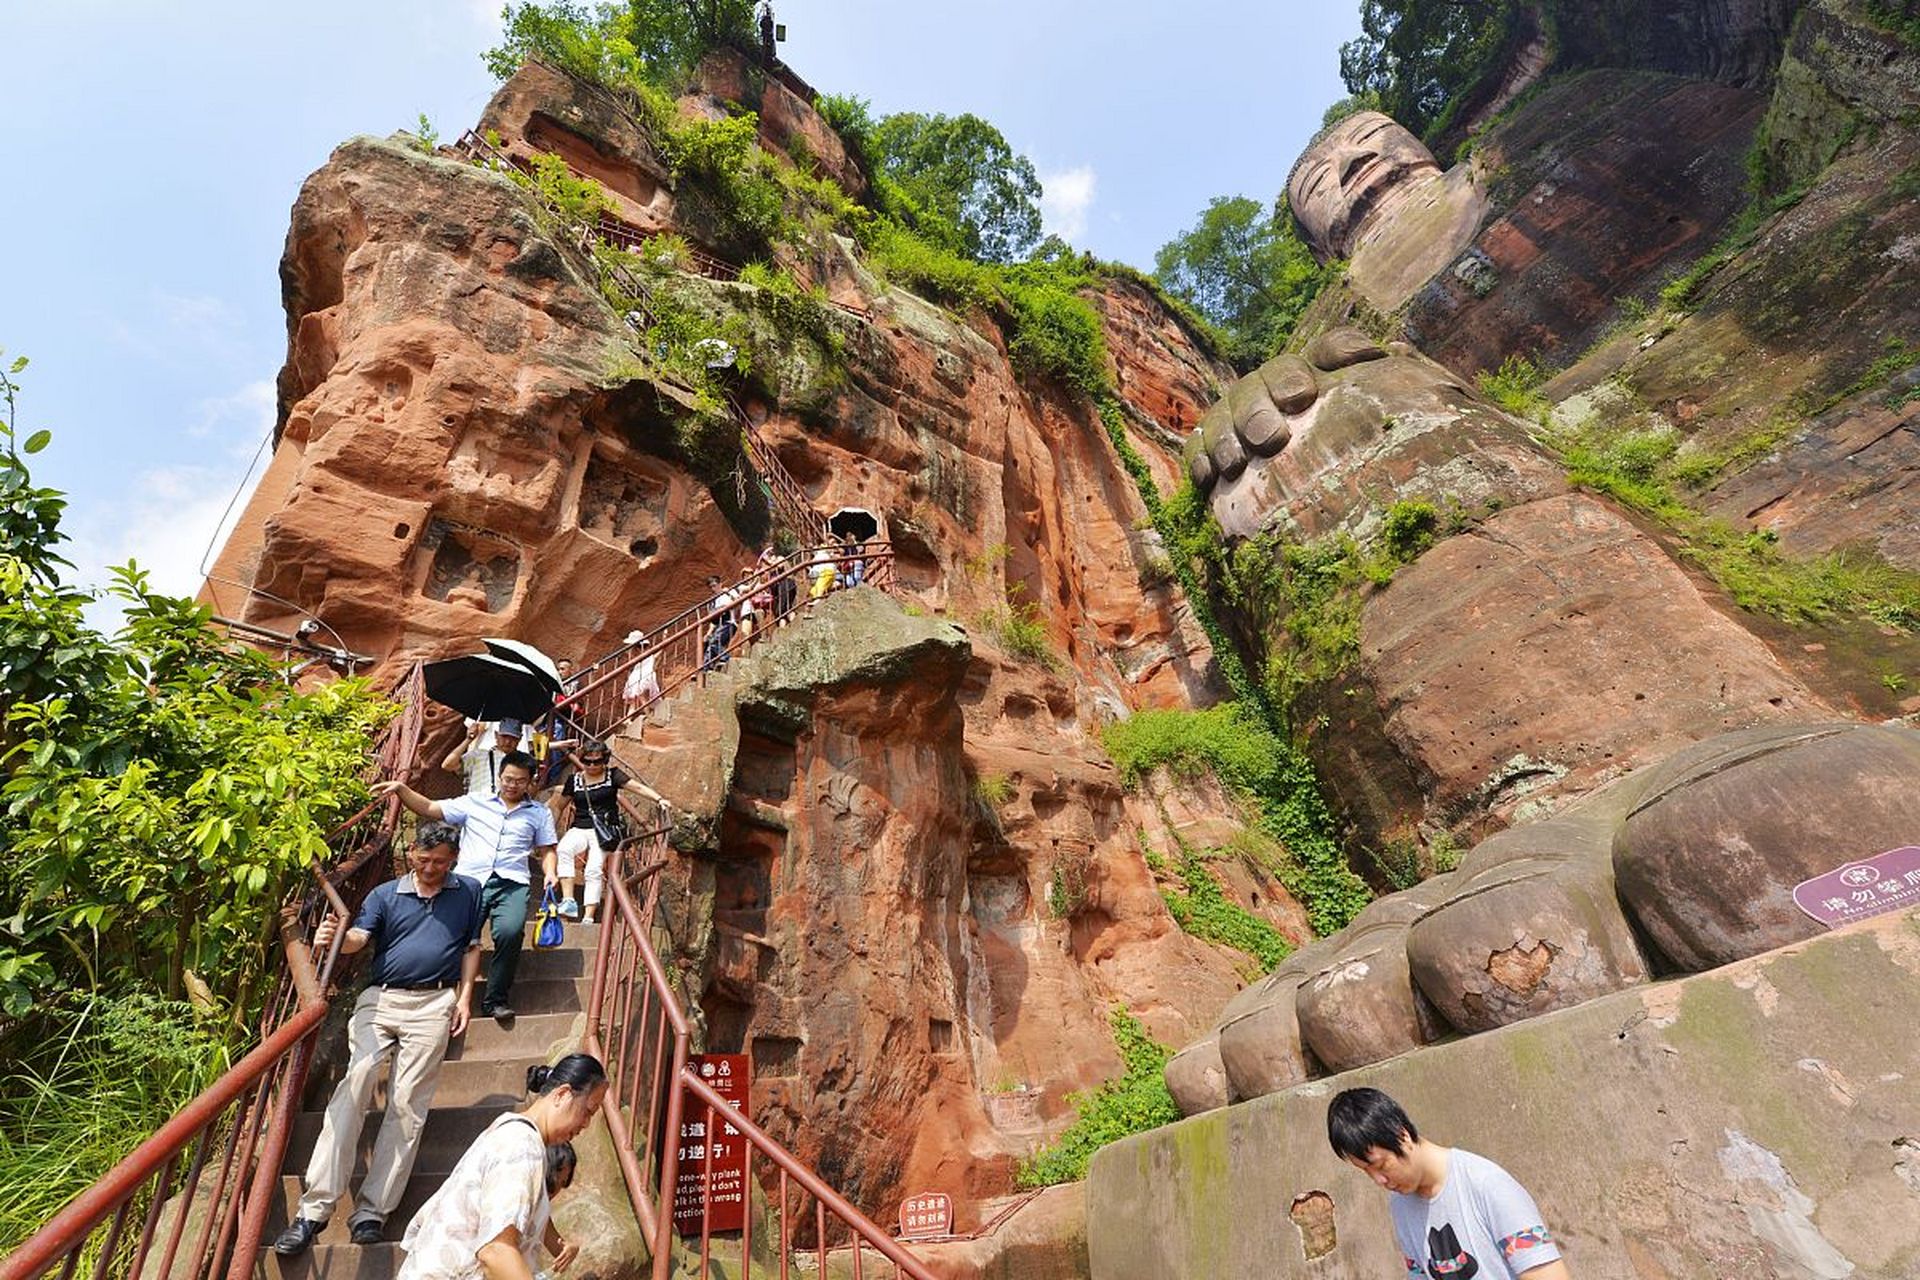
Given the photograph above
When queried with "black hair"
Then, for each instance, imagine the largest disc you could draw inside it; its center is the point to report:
(1358, 1120)
(560, 1163)
(431, 835)
(580, 1072)
(518, 759)
(592, 749)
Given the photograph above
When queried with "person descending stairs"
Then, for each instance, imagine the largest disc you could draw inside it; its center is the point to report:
(484, 1074)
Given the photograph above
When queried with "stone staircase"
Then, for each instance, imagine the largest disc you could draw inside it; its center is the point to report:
(485, 1074)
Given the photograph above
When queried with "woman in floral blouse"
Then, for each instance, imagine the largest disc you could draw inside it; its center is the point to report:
(493, 1210)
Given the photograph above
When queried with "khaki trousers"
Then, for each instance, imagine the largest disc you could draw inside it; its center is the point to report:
(411, 1026)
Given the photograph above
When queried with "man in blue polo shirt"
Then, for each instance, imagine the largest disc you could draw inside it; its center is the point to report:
(425, 931)
(500, 835)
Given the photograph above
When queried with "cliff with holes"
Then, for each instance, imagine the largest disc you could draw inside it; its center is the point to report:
(908, 880)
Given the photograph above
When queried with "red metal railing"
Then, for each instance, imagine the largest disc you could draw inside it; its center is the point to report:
(684, 647)
(201, 1187)
(635, 1027)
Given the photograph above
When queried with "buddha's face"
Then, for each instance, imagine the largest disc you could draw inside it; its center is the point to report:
(1340, 180)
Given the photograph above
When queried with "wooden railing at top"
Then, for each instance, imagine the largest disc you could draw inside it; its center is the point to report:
(239, 1126)
(684, 647)
(635, 1027)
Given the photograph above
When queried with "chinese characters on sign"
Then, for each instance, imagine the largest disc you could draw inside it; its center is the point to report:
(1869, 887)
(721, 1153)
(926, 1216)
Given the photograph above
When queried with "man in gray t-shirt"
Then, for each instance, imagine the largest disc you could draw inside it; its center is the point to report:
(1457, 1215)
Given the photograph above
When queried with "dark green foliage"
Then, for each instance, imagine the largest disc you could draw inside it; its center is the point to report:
(958, 184)
(1419, 58)
(160, 788)
(1267, 771)
(1134, 1103)
(851, 118)
(1246, 271)
(1206, 912)
(662, 40)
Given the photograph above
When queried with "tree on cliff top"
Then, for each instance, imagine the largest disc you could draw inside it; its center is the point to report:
(1421, 56)
(1243, 270)
(660, 40)
(964, 188)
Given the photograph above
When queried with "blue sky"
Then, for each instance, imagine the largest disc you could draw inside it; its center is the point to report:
(153, 152)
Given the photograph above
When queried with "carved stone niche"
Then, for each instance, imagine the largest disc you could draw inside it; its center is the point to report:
(467, 566)
(624, 504)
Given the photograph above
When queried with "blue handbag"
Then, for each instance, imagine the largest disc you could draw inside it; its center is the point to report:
(552, 931)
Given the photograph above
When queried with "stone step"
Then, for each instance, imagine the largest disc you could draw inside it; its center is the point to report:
(474, 1082)
(449, 1132)
(334, 1262)
(420, 1189)
(570, 961)
(522, 1038)
(533, 995)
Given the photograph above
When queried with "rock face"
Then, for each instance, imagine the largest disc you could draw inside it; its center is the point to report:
(1550, 646)
(899, 955)
(917, 886)
(1587, 205)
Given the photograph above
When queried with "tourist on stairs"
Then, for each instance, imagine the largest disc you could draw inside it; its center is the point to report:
(720, 631)
(494, 1209)
(425, 931)
(500, 835)
(478, 760)
(588, 811)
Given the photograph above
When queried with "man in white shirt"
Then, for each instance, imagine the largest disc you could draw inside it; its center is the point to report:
(500, 835)
(478, 759)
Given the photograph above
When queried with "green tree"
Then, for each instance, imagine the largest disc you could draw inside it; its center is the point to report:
(1245, 270)
(955, 180)
(160, 790)
(1420, 56)
(610, 43)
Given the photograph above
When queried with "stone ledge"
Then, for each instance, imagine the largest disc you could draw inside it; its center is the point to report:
(1761, 1119)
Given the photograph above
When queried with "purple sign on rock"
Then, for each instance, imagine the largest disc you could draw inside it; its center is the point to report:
(1869, 887)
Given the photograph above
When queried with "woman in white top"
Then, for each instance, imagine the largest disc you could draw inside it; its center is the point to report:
(492, 1212)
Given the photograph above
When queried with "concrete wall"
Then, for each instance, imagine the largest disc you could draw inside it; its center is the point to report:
(1760, 1120)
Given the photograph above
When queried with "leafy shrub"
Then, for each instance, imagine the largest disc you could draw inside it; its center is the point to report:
(1205, 911)
(1133, 1103)
(1410, 528)
(1019, 629)
(1267, 772)
(992, 790)
(1515, 387)
(1058, 335)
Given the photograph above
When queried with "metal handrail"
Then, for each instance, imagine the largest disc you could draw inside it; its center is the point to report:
(598, 706)
(653, 1045)
(245, 1150)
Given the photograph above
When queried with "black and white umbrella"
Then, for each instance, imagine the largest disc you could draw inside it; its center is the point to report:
(485, 686)
(527, 656)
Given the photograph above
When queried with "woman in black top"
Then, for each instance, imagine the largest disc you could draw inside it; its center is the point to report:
(588, 811)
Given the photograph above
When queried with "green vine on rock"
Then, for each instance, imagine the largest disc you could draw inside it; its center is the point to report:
(1134, 1102)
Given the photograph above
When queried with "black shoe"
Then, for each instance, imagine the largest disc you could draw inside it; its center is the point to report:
(369, 1231)
(299, 1234)
(501, 1010)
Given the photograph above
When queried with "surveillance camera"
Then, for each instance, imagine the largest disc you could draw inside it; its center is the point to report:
(308, 627)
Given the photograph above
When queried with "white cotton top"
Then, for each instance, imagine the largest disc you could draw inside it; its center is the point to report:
(501, 1182)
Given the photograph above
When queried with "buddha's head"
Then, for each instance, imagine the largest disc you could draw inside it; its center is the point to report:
(1347, 175)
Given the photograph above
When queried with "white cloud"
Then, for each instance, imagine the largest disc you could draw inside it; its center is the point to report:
(170, 519)
(1065, 199)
